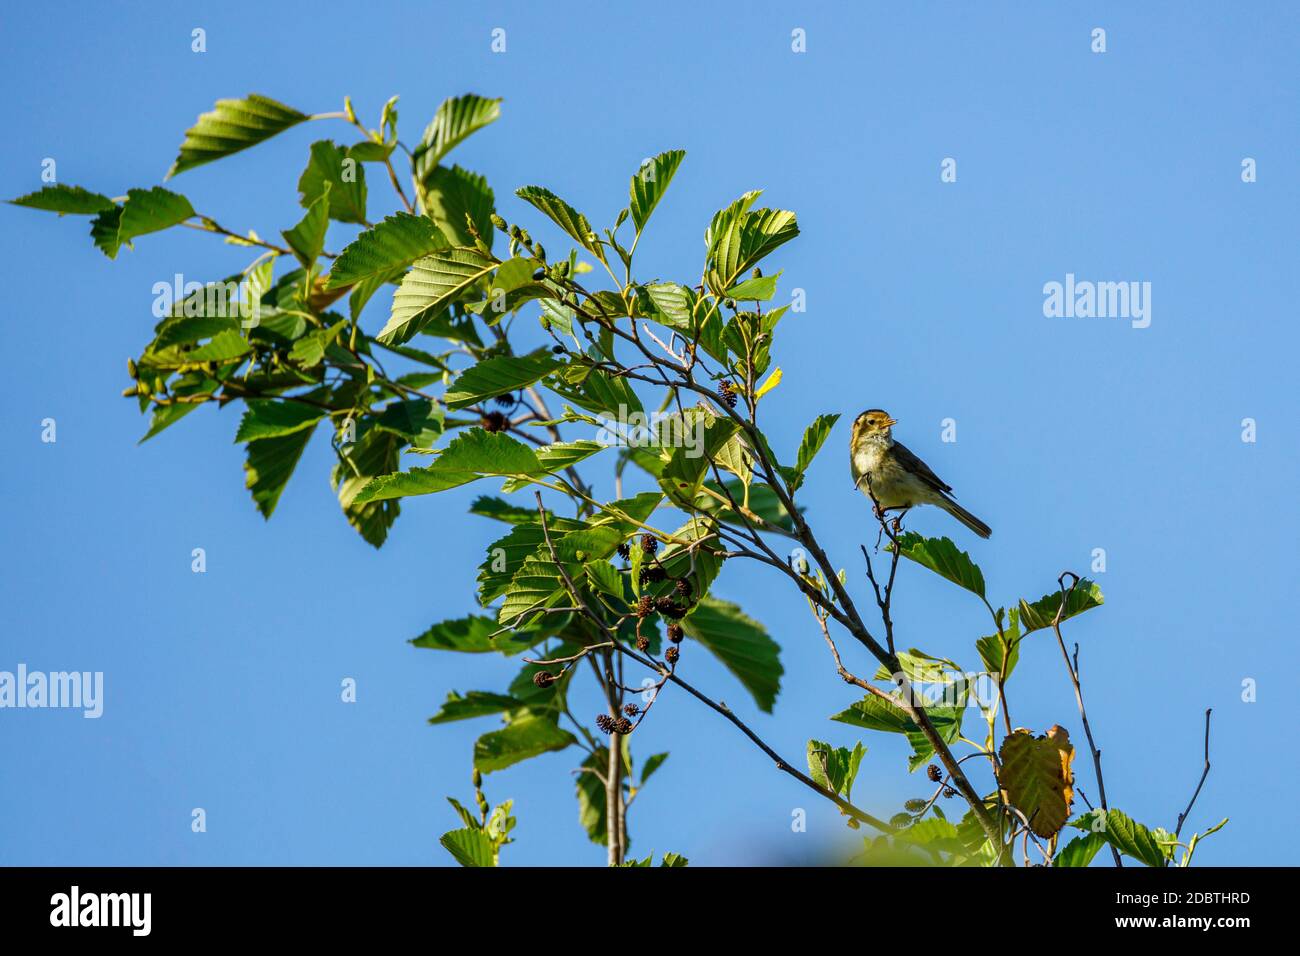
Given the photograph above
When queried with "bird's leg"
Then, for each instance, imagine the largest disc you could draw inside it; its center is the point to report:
(898, 521)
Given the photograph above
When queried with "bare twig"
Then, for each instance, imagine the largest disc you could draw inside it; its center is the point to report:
(1182, 817)
(1073, 669)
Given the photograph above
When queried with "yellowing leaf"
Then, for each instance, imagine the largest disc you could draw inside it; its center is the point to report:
(1037, 778)
(772, 382)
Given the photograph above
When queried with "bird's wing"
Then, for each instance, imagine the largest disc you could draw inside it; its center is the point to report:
(919, 468)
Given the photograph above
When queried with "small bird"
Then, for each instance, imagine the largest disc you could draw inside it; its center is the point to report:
(886, 470)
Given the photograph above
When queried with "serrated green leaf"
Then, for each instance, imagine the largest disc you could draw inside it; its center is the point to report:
(307, 239)
(473, 635)
(433, 283)
(231, 126)
(145, 211)
(267, 418)
(574, 223)
(477, 703)
(1125, 834)
(473, 454)
(452, 194)
(270, 464)
(1079, 851)
(652, 763)
(758, 289)
(741, 644)
(519, 740)
(470, 847)
(387, 248)
(650, 182)
(944, 558)
(1085, 596)
(814, 437)
(499, 376)
(331, 164)
(418, 420)
(738, 238)
(65, 200)
(456, 119)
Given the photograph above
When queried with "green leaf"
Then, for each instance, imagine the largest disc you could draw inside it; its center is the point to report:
(944, 558)
(145, 211)
(876, 713)
(499, 376)
(470, 846)
(536, 586)
(519, 740)
(376, 452)
(456, 119)
(1080, 850)
(591, 795)
(1124, 834)
(506, 555)
(652, 763)
(650, 182)
(674, 305)
(500, 510)
(307, 239)
(473, 635)
(557, 456)
(1085, 596)
(689, 464)
(473, 454)
(267, 418)
(388, 247)
(739, 238)
(814, 437)
(451, 196)
(563, 215)
(270, 464)
(991, 648)
(742, 646)
(477, 703)
(233, 125)
(418, 420)
(835, 768)
(433, 283)
(758, 289)
(65, 200)
(331, 165)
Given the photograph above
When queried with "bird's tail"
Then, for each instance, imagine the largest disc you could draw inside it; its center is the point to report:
(966, 518)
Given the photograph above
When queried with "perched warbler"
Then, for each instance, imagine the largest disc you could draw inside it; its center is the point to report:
(886, 470)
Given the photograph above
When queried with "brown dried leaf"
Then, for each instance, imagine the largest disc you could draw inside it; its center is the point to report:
(1037, 778)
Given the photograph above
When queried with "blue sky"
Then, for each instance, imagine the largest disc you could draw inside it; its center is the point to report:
(924, 297)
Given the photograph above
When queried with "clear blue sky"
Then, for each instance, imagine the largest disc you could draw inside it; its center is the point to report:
(222, 690)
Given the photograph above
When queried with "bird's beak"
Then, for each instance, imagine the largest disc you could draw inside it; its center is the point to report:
(891, 423)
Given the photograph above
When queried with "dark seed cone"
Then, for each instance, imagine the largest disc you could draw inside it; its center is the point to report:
(646, 606)
(683, 587)
(675, 633)
(934, 773)
(543, 679)
(672, 654)
(728, 393)
(505, 401)
(624, 551)
(494, 422)
(642, 643)
(653, 574)
(649, 544)
(670, 608)
(605, 723)
(623, 725)
(631, 709)
(949, 793)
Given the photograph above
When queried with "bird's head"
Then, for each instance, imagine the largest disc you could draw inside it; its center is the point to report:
(873, 423)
